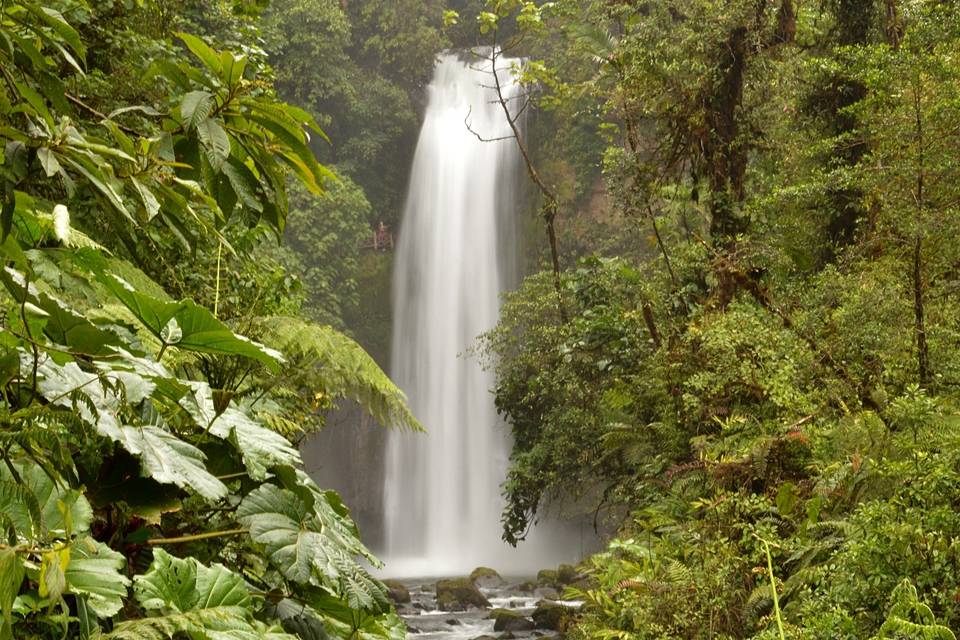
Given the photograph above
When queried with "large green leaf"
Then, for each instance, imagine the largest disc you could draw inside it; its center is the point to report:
(11, 575)
(64, 325)
(169, 460)
(188, 326)
(196, 107)
(186, 597)
(310, 543)
(259, 447)
(39, 509)
(99, 400)
(202, 50)
(101, 395)
(95, 572)
(176, 585)
(215, 142)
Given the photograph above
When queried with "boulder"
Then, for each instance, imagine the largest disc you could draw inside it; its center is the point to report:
(547, 593)
(486, 578)
(397, 591)
(453, 622)
(547, 578)
(459, 595)
(506, 620)
(526, 587)
(551, 615)
(567, 574)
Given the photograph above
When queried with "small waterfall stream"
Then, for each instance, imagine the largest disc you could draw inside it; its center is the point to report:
(454, 259)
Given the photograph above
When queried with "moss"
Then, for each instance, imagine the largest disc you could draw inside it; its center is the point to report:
(546, 577)
(553, 616)
(507, 620)
(567, 574)
(459, 594)
(397, 591)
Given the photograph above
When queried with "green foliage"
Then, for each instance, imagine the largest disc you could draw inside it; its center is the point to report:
(771, 354)
(132, 423)
(334, 365)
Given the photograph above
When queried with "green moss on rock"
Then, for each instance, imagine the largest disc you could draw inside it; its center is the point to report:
(485, 577)
(397, 591)
(546, 577)
(507, 620)
(459, 594)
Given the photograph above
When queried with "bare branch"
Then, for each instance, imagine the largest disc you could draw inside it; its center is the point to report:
(466, 122)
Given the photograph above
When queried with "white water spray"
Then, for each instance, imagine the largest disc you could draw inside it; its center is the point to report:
(442, 492)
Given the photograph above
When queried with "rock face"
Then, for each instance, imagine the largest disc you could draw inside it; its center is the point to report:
(397, 591)
(506, 620)
(459, 595)
(486, 578)
(551, 615)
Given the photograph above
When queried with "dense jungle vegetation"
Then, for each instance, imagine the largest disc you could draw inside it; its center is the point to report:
(737, 347)
(746, 361)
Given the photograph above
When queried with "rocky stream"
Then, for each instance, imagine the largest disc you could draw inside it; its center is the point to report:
(486, 606)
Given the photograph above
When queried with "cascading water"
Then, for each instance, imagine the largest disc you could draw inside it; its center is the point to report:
(442, 491)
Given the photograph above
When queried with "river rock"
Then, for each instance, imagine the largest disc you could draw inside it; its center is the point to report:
(567, 574)
(397, 592)
(453, 622)
(547, 578)
(547, 593)
(459, 595)
(506, 620)
(551, 615)
(486, 578)
(526, 587)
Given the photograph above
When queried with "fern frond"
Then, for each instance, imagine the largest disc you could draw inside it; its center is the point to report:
(678, 573)
(760, 601)
(324, 359)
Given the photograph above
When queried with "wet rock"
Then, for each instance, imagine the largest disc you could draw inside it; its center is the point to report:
(567, 574)
(413, 630)
(486, 637)
(486, 578)
(507, 636)
(419, 606)
(506, 620)
(397, 591)
(526, 587)
(453, 622)
(546, 578)
(547, 593)
(459, 595)
(551, 615)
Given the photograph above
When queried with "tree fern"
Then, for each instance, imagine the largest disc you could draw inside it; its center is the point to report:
(327, 360)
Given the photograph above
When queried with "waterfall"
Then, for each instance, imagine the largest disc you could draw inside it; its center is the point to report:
(454, 259)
